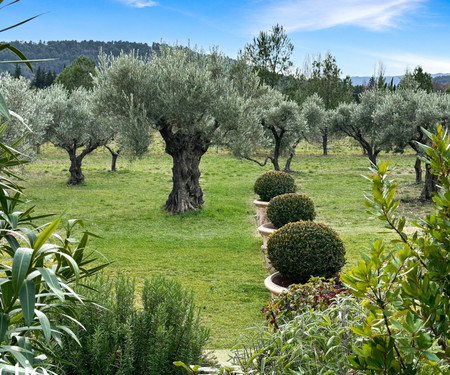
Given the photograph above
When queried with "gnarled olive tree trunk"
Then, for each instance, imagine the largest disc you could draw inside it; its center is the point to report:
(76, 175)
(186, 151)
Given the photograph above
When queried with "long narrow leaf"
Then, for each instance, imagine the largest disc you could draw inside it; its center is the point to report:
(21, 263)
(19, 353)
(51, 280)
(45, 235)
(45, 323)
(4, 108)
(4, 323)
(27, 300)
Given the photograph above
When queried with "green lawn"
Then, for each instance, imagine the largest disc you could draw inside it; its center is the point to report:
(214, 251)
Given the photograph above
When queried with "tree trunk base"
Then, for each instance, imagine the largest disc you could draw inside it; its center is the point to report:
(430, 186)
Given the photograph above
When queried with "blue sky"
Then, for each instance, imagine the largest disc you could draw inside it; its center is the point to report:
(359, 33)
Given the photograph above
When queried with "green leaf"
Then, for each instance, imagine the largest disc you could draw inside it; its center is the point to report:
(27, 301)
(4, 108)
(181, 364)
(70, 333)
(45, 323)
(4, 323)
(7, 294)
(45, 235)
(19, 353)
(431, 356)
(21, 263)
(52, 281)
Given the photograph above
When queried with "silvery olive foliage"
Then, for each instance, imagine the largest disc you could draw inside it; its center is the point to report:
(120, 93)
(73, 126)
(391, 120)
(404, 112)
(357, 121)
(276, 129)
(314, 119)
(22, 100)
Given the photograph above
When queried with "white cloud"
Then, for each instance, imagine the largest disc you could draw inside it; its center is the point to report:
(403, 61)
(139, 3)
(304, 15)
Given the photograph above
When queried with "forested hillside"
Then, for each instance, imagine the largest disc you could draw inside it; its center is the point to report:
(66, 52)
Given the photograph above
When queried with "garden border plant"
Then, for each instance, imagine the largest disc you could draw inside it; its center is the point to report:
(273, 183)
(290, 207)
(406, 291)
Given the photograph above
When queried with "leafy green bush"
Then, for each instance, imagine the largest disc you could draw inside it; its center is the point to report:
(290, 207)
(318, 293)
(313, 342)
(406, 290)
(38, 271)
(273, 183)
(304, 249)
(120, 339)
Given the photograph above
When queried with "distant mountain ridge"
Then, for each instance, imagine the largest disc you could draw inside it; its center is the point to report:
(66, 52)
(438, 77)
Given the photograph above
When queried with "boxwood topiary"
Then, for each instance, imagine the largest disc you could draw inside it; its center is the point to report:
(287, 208)
(273, 183)
(303, 249)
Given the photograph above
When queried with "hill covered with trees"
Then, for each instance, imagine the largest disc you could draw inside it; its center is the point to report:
(66, 52)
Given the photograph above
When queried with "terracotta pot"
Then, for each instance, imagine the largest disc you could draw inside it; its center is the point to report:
(261, 211)
(276, 284)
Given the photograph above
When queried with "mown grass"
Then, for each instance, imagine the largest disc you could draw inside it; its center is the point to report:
(214, 251)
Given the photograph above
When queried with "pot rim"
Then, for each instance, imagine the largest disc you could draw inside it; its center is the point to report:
(274, 288)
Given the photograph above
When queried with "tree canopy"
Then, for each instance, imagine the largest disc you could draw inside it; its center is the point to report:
(72, 125)
(78, 74)
(270, 55)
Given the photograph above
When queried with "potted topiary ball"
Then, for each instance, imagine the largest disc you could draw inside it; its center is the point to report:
(283, 209)
(303, 249)
(269, 185)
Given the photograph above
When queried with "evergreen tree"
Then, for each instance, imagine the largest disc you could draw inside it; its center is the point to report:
(17, 71)
(78, 74)
(270, 55)
(423, 79)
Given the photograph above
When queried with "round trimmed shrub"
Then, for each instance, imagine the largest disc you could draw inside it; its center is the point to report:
(290, 207)
(303, 249)
(273, 183)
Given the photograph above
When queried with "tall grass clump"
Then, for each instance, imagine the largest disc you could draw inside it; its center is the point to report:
(119, 338)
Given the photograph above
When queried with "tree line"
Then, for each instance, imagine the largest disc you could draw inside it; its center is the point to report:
(65, 52)
(256, 105)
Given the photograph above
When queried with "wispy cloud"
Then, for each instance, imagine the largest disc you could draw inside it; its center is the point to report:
(296, 15)
(403, 61)
(139, 3)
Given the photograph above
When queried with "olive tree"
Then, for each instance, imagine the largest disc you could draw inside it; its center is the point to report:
(357, 121)
(278, 126)
(404, 113)
(72, 125)
(30, 116)
(188, 97)
(313, 115)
